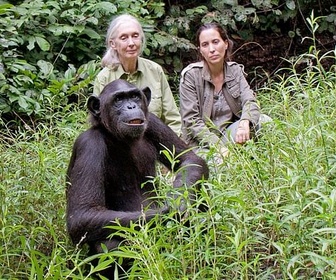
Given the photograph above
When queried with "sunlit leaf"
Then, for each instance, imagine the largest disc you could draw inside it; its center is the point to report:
(43, 43)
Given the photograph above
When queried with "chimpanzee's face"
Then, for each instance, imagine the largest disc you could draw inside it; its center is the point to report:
(126, 113)
(122, 109)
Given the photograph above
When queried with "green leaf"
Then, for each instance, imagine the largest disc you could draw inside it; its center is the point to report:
(79, 28)
(4, 8)
(91, 33)
(290, 4)
(69, 29)
(31, 43)
(43, 44)
(22, 102)
(249, 11)
(291, 34)
(277, 12)
(60, 29)
(231, 2)
(5, 108)
(45, 67)
(107, 7)
(55, 29)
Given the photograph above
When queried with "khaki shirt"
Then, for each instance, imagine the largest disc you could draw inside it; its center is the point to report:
(197, 101)
(149, 74)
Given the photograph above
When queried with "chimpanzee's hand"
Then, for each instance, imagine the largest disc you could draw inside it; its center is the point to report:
(151, 213)
(164, 209)
(178, 202)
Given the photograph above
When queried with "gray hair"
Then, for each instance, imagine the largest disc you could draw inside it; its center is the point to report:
(110, 57)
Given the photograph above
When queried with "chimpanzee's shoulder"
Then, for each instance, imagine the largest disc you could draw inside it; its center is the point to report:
(92, 136)
(157, 130)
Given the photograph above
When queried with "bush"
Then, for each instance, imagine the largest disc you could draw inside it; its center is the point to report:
(50, 51)
(272, 203)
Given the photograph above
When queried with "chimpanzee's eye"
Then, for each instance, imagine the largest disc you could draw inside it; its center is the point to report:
(118, 99)
(135, 96)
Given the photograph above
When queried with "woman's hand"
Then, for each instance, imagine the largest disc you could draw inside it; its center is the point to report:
(243, 132)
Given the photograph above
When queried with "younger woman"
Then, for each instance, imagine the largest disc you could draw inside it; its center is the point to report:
(216, 102)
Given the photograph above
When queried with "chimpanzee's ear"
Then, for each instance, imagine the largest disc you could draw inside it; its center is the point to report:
(147, 92)
(93, 105)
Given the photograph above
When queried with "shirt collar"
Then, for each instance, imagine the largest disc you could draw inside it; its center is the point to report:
(141, 65)
(121, 72)
(206, 72)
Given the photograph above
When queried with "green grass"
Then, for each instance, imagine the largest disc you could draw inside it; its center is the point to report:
(272, 203)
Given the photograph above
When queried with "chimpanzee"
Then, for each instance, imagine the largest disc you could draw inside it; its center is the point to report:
(108, 177)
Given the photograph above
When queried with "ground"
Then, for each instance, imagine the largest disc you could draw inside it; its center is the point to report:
(265, 54)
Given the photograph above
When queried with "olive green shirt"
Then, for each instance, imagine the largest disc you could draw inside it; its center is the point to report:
(148, 74)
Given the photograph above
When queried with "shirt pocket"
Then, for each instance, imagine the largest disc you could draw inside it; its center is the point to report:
(233, 88)
(155, 105)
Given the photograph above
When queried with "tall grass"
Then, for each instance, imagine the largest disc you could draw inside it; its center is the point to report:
(272, 203)
(34, 244)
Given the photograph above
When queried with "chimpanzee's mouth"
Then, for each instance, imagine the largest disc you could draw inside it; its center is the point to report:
(136, 121)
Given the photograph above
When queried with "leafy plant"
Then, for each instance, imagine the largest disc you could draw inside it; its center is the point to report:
(50, 52)
(271, 202)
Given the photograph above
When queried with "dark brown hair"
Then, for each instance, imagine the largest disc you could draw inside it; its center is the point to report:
(222, 32)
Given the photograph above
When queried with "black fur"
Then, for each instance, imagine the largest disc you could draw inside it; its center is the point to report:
(112, 162)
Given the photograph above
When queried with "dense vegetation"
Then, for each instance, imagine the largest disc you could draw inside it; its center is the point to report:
(50, 50)
(272, 203)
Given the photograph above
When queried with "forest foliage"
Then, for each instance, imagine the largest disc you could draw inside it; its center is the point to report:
(272, 202)
(50, 50)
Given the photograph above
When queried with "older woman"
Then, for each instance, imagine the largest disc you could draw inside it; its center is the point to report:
(125, 41)
(216, 102)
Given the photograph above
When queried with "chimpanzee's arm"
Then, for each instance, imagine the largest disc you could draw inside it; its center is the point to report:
(193, 168)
